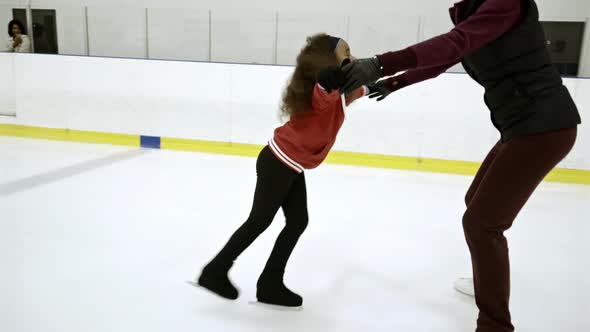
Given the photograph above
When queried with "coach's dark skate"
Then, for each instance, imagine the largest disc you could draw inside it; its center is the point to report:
(217, 281)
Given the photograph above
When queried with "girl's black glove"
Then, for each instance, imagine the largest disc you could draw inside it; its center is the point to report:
(332, 78)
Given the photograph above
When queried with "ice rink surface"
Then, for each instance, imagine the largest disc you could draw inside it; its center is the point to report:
(101, 238)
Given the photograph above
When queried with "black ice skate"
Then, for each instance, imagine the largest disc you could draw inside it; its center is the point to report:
(217, 281)
(274, 292)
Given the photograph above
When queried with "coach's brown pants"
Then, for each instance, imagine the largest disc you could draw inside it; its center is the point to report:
(506, 179)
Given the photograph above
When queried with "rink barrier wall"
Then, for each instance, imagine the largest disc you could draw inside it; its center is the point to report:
(442, 119)
(435, 124)
(457, 167)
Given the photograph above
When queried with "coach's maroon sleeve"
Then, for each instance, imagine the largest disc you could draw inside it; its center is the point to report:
(492, 20)
(414, 76)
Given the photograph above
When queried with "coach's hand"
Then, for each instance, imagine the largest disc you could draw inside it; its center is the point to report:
(361, 72)
(384, 88)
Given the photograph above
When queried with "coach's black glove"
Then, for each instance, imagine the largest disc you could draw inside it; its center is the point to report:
(361, 72)
(384, 88)
(379, 90)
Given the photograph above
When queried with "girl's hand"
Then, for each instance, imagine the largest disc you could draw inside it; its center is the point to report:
(330, 78)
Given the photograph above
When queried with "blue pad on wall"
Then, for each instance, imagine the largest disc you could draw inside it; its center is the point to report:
(150, 142)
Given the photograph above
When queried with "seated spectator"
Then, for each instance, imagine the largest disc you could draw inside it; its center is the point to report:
(19, 42)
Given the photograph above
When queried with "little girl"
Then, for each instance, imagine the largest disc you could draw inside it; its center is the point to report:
(316, 112)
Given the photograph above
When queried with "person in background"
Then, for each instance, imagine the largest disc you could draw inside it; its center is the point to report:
(19, 42)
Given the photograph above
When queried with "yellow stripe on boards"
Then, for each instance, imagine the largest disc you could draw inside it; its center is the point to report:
(94, 137)
(469, 168)
(69, 135)
(235, 149)
(573, 176)
(403, 163)
(560, 175)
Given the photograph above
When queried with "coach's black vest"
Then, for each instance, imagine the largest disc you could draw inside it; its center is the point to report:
(524, 91)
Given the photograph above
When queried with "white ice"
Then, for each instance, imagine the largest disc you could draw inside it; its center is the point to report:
(103, 238)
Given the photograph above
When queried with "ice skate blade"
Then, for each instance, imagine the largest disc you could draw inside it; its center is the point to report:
(275, 306)
(464, 293)
(196, 285)
(464, 286)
